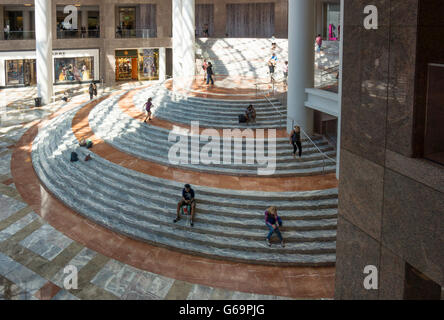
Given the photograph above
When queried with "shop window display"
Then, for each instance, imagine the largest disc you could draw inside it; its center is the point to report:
(149, 64)
(74, 69)
(20, 72)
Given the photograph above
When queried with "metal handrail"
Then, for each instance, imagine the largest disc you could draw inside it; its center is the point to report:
(293, 123)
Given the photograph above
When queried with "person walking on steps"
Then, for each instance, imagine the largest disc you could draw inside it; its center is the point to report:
(318, 43)
(273, 222)
(210, 74)
(204, 67)
(148, 105)
(295, 140)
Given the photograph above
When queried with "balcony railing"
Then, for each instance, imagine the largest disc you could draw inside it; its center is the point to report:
(78, 34)
(136, 33)
(17, 35)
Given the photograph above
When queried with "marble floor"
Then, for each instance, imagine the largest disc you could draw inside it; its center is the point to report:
(36, 245)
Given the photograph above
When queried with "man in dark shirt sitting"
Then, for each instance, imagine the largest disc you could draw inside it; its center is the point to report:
(187, 199)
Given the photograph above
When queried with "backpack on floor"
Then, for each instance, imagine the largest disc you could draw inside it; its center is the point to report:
(89, 144)
(74, 157)
(242, 118)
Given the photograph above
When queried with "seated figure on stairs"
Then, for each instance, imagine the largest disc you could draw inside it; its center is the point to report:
(187, 199)
(250, 114)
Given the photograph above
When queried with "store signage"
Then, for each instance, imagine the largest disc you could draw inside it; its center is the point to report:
(126, 53)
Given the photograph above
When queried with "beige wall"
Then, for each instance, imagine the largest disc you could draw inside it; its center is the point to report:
(108, 43)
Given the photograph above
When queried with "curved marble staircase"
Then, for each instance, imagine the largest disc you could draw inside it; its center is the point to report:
(152, 143)
(229, 224)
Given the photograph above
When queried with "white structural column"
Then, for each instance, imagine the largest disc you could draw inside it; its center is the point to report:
(301, 39)
(43, 40)
(183, 38)
(177, 39)
(189, 38)
(162, 64)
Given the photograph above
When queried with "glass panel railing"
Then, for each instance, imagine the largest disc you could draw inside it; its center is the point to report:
(77, 34)
(17, 35)
(136, 33)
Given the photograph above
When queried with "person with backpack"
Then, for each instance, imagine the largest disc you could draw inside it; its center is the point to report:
(95, 89)
(148, 105)
(210, 74)
(91, 91)
(204, 67)
(295, 140)
(273, 222)
(319, 43)
(187, 200)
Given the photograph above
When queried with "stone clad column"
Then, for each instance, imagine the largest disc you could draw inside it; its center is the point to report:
(162, 64)
(189, 37)
(301, 40)
(26, 24)
(177, 38)
(84, 22)
(183, 38)
(43, 40)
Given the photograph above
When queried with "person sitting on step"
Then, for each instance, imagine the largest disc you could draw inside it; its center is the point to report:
(187, 199)
(250, 114)
(273, 222)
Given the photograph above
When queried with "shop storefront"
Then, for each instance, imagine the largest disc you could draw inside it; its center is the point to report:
(70, 66)
(20, 72)
(137, 64)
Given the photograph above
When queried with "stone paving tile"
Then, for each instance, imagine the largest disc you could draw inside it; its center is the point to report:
(47, 242)
(152, 284)
(20, 275)
(179, 290)
(64, 295)
(17, 226)
(199, 292)
(16, 217)
(221, 294)
(79, 261)
(9, 206)
(49, 269)
(5, 164)
(115, 277)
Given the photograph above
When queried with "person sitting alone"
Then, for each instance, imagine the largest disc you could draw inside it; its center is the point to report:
(148, 105)
(273, 222)
(250, 114)
(187, 199)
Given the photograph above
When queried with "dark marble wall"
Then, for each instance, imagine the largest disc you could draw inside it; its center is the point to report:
(391, 201)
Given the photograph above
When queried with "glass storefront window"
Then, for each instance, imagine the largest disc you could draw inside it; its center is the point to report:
(149, 64)
(127, 22)
(74, 69)
(20, 72)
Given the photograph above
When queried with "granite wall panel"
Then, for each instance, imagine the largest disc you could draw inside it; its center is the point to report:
(413, 224)
(355, 251)
(361, 193)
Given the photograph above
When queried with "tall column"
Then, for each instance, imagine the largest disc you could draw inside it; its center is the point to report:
(189, 37)
(26, 24)
(341, 57)
(300, 62)
(162, 64)
(177, 38)
(43, 40)
(2, 23)
(84, 22)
